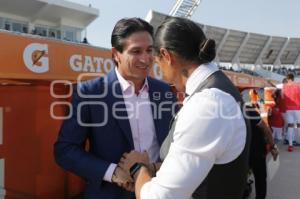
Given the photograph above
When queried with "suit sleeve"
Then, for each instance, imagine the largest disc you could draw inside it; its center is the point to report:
(69, 149)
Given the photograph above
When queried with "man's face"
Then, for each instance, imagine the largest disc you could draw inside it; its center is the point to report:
(136, 59)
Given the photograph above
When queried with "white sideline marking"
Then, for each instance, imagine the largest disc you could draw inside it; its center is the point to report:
(2, 186)
(2, 169)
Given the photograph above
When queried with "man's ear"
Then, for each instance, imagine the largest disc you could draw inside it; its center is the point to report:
(115, 54)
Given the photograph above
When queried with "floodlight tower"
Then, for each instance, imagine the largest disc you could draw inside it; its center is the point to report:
(184, 8)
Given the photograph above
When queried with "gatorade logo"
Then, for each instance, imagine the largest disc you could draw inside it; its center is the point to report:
(35, 57)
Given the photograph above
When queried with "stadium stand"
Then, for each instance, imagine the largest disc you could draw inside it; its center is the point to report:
(250, 51)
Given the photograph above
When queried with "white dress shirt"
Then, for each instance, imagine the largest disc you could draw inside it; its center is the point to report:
(209, 130)
(141, 121)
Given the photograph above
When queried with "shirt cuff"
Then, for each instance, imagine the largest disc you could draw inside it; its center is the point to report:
(109, 172)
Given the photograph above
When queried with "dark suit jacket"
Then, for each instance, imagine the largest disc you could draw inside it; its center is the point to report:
(109, 136)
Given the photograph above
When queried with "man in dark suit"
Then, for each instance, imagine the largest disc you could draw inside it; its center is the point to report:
(123, 111)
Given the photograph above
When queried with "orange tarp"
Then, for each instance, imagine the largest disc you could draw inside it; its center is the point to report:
(38, 58)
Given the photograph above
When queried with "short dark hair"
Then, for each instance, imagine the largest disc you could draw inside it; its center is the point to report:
(284, 80)
(290, 76)
(125, 27)
(276, 95)
(186, 39)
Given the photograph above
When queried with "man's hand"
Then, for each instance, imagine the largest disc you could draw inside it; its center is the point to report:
(129, 159)
(123, 179)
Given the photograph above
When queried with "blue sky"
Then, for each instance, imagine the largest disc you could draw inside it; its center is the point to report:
(271, 17)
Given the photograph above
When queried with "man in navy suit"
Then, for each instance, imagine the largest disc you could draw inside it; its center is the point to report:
(122, 111)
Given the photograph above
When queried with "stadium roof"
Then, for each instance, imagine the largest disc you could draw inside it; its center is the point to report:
(238, 47)
(50, 10)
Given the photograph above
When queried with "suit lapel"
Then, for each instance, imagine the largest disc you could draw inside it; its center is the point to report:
(116, 98)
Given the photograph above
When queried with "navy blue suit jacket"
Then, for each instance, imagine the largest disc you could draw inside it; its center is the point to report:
(109, 137)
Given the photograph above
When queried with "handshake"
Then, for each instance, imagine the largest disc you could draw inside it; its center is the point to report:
(121, 175)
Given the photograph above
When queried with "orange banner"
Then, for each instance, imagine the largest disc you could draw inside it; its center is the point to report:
(26, 57)
(37, 58)
(242, 80)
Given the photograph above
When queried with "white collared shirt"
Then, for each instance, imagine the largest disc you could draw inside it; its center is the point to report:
(209, 130)
(141, 121)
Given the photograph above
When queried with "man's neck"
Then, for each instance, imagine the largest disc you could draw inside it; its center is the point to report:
(138, 85)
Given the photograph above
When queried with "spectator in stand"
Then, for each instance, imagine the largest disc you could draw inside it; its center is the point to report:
(85, 41)
(275, 118)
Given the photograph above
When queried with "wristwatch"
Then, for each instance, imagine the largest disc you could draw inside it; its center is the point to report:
(135, 168)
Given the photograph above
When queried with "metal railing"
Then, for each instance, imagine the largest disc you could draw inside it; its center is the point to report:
(184, 8)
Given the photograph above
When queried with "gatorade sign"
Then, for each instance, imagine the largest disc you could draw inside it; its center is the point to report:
(39, 58)
(35, 57)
